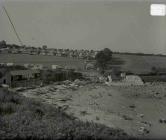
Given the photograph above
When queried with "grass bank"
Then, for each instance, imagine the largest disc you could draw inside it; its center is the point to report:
(24, 118)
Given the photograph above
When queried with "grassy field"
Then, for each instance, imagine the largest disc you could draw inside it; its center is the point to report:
(134, 63)
(41, 59)
(25, 118)
(140, 64)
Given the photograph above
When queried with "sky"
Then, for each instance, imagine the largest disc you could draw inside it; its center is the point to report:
(118, 25)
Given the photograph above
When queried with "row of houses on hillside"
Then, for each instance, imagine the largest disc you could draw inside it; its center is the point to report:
(15, 49)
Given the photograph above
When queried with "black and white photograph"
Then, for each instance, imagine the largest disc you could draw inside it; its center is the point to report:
(82, 69)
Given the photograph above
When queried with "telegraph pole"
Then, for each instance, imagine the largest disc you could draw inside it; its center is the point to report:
(14, 29)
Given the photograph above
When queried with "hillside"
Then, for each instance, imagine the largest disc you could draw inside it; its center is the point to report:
(130, 62)
(140, 63)
(25, 118)
(135, 109)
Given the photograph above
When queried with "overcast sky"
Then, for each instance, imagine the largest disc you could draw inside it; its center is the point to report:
(120, 26)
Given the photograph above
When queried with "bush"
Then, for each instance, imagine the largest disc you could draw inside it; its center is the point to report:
(6, 96)
(7, 108)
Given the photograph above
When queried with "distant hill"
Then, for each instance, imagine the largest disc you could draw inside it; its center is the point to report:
(139, 63)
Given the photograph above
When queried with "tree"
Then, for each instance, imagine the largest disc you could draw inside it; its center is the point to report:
(2, 44)
(44, 47)
(1, 75)
(103, 57)
(154, 70)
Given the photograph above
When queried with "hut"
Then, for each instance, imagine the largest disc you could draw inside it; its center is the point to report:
(20, 78)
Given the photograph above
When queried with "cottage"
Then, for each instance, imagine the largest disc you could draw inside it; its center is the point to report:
(14, 50)
(10, 64)
(4, 51)
(89, 66)
(34, 66)
(37, 66)
(20, 78)
(55, 67)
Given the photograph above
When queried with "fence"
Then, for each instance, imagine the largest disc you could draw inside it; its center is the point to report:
(26, 83)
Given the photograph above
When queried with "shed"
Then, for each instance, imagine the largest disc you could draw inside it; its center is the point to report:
(17, 78)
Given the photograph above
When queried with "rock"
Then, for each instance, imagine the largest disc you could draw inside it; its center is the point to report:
(73, 85)
(83, 112)
(64, 99)
(67, 82)
(141, 115)
(97, 118)
(78, 82)
(147, 123)
(61, 87)
(162, 120)
(65, 107)
(109, 94)
(127, 117)
(143, 130)
(132, 106)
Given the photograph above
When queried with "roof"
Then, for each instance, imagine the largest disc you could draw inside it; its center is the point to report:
(23, 72)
